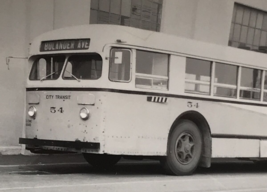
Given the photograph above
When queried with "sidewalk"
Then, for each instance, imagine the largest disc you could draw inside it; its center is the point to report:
(17, 160)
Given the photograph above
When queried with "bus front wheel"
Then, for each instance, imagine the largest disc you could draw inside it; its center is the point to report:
(184, 149)
(102, 161)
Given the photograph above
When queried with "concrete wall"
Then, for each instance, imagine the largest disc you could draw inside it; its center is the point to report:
(71, 12)
(13, 42)
(178, 17)
(40, 17)
(21, 21)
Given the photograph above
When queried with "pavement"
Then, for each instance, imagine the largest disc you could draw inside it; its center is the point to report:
(19, 160)
(71, 158)
(70, 172)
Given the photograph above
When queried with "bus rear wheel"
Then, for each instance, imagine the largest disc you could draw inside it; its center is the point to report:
(102, 161)
(184, 149)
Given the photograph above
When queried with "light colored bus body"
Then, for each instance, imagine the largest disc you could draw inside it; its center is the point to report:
(121, 118)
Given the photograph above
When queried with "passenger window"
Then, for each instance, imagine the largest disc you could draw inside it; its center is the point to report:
(151, 70)
(120, 65)
(265, 87)
(250, 83)
(197, 78)
(225, 82)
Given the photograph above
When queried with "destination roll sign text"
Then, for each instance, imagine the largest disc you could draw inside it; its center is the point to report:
(63, 45)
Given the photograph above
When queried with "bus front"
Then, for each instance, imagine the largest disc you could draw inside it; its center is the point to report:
(64, 110)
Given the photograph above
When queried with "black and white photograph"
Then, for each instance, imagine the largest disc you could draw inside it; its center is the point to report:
(133, 95)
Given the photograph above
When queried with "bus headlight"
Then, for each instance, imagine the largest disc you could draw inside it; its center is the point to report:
(32, 111)
(84, 113)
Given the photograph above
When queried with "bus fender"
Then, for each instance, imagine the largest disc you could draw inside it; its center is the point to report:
(202, 124)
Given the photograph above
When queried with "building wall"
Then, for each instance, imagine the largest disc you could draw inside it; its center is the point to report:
(40, 17)
(178, 17)
(13, 41)
(71, 12)
(204, 20)
(21, 21)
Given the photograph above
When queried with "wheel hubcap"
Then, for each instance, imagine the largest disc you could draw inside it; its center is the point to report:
(184, 149)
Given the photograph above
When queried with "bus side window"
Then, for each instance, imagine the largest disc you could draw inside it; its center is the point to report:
(120, 65)
(225, 81)
(265, 87)
(152, 70)
(250, 87)
(197, 77)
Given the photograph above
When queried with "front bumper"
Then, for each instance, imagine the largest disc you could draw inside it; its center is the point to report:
(32, 144)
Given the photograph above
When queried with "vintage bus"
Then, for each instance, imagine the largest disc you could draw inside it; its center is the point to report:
(111, 91)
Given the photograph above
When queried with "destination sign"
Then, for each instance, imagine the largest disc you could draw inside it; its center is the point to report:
(63, 45)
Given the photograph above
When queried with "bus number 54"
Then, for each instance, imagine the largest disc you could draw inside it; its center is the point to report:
(191, 104)
(54, 110)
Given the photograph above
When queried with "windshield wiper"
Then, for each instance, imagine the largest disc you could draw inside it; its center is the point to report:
(73, 76)
(43, 78)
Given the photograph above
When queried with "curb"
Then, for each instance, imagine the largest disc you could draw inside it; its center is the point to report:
(10, 150)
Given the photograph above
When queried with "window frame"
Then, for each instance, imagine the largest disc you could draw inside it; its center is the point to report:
(150, 76)
(198, 82)
(261, 90)
(223, 85)
(131, 63)
(243, 34)
(154, 24)
(250, 89)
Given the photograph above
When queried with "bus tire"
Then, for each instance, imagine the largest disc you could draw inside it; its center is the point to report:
(184, 149)
(102, 161)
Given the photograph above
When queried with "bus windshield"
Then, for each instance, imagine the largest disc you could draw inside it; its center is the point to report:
(47, 67)
(83, 67)
(77, 67)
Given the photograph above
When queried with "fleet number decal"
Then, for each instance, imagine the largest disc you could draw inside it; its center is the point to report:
(54, 110)
(191, 104)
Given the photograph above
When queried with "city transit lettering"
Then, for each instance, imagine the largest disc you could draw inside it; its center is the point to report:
(61, 45)
(58, 96)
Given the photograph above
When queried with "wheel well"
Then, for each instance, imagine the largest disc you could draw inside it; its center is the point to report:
(204, 128)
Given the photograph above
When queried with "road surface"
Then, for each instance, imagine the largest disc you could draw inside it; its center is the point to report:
(131, 176)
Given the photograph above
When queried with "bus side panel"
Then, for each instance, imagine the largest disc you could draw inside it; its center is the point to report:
(237, 119)
(231, 148)
(136, 126)
(263, 148)
(240, 121)
(228, 121)
(141, 127)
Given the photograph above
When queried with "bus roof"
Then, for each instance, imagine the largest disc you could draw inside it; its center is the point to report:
(101, 35)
